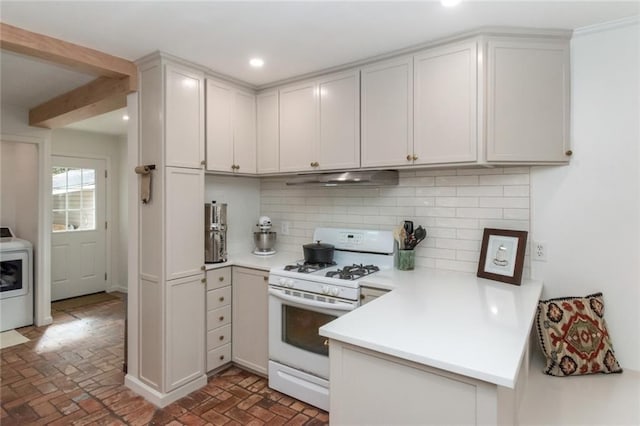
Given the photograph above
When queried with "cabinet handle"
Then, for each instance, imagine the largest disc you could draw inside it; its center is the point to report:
(221, 299)
(314, 164)
(265, 278)
(568, 153)
(221, 338)
(220, 279)
(203, 268)
(415, 157)
(203, 163)
(221, 318)
(326, 342)
(203, 281)
(408, 157)
(221, 357)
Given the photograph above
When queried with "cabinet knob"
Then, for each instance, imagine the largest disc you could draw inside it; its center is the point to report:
(220, 279)
(314, 164)
(415, 157)
(221, 338)
(568, 153)
(409, 157)
(203, 281)
(221, 357)
(203, 268)
(203, 163)
(265, 278)
(221, 318)
(237, 167)
(326, 342)
(221, 299)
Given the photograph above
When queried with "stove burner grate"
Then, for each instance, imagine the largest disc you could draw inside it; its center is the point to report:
(308, 268)
(353, 272)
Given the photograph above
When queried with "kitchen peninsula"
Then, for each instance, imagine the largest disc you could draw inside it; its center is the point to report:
(441, 344)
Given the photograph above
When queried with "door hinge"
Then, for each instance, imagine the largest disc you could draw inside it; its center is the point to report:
(105, 174)
(106, 225)
(105, 276)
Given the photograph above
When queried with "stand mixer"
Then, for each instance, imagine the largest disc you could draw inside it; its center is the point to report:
(264, 239)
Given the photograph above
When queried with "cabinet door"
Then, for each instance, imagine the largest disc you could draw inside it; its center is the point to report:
(268, 138)
(250, 319)
(219, 126)
(298, 127)
(527, 101)
(184, 222)
(339, 139)
(184, 115)
(185, 330)
(387, 113)
(445, 105)
(244, 132)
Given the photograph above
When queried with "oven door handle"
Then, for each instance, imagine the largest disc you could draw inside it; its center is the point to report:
(300, 301)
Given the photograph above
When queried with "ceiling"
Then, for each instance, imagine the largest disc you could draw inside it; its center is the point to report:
(293, 38)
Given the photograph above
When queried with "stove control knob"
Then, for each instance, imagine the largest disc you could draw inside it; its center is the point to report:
(290, 283)
(335, 291)
(282, 281)
(324, 289)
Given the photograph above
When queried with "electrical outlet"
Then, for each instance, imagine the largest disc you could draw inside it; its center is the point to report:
(539, 250)
(284, 228)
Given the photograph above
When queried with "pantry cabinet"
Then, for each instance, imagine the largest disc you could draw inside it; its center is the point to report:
(184, 117)
(387, 112)
(231, 128)
(445, 105)
(320, 124)
(527, 100)
(250, 319)
(268, 137)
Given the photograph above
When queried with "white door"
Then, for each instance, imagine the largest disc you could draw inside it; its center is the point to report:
(78, 242)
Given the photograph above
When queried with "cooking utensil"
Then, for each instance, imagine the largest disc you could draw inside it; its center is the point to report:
(403, 239)
(408, 226)
(420, 234)
(318, 252)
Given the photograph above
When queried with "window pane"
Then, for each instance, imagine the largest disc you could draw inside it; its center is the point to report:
(88, 178)
(73, 199)
(88, 219)
(59, 221)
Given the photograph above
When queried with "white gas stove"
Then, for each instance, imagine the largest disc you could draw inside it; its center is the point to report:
(303, 297)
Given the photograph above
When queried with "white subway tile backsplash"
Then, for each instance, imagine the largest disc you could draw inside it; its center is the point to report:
(454, 205)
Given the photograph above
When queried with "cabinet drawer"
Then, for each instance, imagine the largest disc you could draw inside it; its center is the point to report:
(218, 298)
(218, 337)
(218, 317)
(217, 278)
(218, 356)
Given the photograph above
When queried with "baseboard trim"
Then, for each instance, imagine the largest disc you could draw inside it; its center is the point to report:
(119, 288)
(160, 399)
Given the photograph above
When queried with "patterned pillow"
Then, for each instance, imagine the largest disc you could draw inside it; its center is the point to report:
(573, 336)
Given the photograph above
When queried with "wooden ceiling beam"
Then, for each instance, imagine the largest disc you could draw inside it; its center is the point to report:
(97, 97)
(77, 57)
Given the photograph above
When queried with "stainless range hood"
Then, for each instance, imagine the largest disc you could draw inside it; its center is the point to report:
(359, 177)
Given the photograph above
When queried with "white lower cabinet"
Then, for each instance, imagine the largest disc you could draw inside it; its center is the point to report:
(419, 394)
(185, 331)
(218, 321)
(250, 319)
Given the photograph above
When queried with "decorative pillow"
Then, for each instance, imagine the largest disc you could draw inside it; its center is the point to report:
(573, 336)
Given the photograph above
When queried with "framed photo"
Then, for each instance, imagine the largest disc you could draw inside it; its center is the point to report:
(502, 255)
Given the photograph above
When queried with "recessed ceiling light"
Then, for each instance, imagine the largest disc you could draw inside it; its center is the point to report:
(256, 62)
(125, 117)
(450, 3)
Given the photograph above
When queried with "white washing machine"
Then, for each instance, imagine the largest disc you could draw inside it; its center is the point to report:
(16, 281)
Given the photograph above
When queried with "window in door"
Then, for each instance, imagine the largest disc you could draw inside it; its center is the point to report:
(73, 199)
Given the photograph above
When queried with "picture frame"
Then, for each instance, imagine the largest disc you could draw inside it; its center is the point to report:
(502, 255)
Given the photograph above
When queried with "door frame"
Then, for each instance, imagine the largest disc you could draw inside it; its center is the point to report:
(42, 287)
(107, 207)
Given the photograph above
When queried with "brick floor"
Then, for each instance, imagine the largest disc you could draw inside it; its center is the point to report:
(70, 373)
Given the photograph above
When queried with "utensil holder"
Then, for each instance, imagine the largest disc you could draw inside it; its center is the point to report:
(405, 260)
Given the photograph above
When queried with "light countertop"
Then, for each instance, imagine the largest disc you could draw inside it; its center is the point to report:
(449, 320)
(254, 261)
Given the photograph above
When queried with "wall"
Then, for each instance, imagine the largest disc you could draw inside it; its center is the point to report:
(588, 213)
(453, 205)
(19, 189)
(76, 142)
(242, 195)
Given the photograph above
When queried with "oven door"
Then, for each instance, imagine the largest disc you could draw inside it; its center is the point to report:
(294, 320)
(14, 273)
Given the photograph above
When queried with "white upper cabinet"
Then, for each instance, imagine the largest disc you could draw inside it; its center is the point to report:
(445, 105)
(527, 101)
(387, 113)
(320, 124)
(268, 132)
(298, 126)
(231, 128)
(219, 126)
(184, 114)
(339, 121)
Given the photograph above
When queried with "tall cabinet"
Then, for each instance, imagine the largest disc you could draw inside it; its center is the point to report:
(171, 287)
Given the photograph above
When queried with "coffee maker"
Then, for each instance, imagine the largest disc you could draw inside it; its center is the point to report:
(215, 232)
